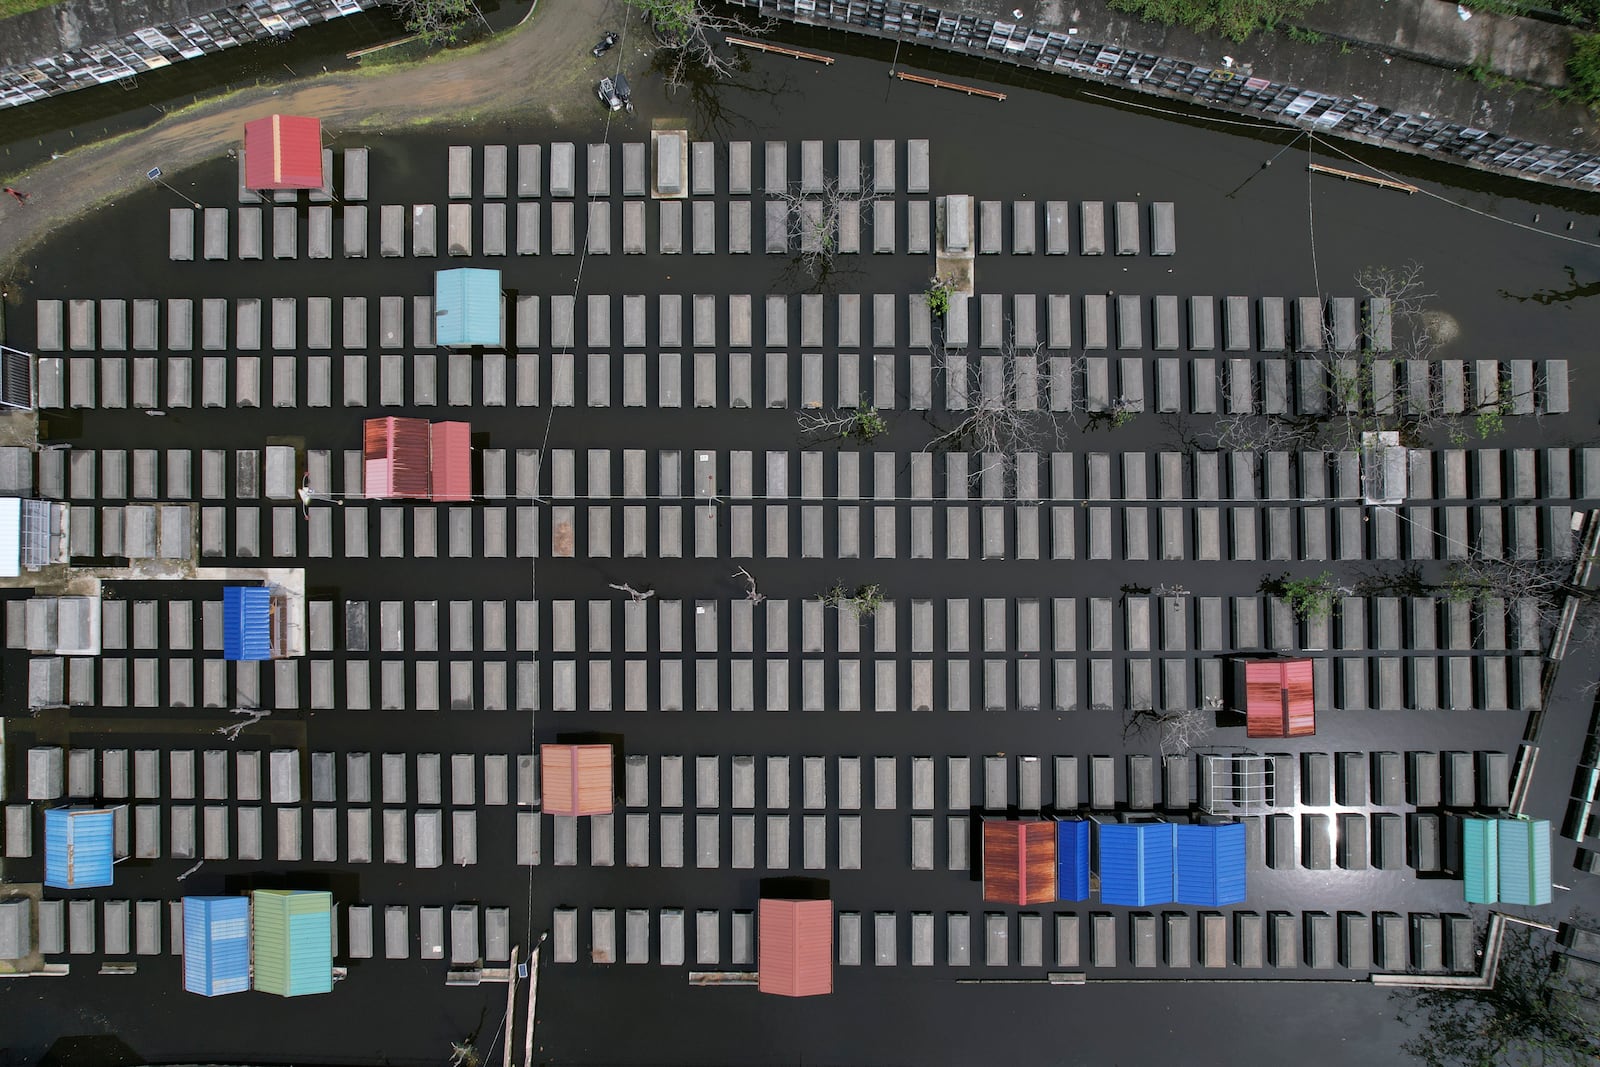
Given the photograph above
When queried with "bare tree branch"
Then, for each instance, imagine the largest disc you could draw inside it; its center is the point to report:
(633, 594)
(690, 33)
(862, 603)
(1392, 382)
(1532, 1015)
(1001, 402)
(1176, 732)
(817, 217)
(863, 424)
(751, 593)
(251, 717)
(1537, 589)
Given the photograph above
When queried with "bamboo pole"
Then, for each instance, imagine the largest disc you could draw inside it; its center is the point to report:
(940, 83)
(359, 52)
(533, 992)
(511, 1006)
(776, 49)
(1350, 175)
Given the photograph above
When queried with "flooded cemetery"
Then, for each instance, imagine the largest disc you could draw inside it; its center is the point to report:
(837, 537)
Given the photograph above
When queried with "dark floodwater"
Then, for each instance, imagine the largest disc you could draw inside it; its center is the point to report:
(1284, 233)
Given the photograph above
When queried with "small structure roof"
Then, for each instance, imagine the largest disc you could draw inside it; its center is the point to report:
(1480, 860)
(216, 945)
(467, 307)
(78, 847)
(62, 625)
(1524, 846)
(10, 537)
(16, 928)
(576, 779)
(246, 622)
(1072, 859)
(450, 460)
(292, 931)
(1210, 864)
(1383, 467)
(795, 947)
(1136, 863)
(1019, 861)
(1278, 697)
(283, 152)
(396, 454)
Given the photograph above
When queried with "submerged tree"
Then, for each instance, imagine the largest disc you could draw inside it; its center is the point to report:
(1392, 382)
(1309, 596)
(818, 216)
(1531, 1016)
(1539, 586)
(862, 425)
(1002, 406)
(863, 602)
(1175, 731)
(751, 593)
(690, 32)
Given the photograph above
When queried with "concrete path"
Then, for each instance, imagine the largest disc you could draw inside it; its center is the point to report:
(540, 70)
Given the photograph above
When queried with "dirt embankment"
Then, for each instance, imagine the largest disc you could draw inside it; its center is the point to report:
(539, 69)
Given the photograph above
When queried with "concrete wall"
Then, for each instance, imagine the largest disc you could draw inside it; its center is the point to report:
(1329, 114)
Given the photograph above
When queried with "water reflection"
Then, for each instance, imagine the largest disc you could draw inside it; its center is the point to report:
(1573, 291)
(719, 104)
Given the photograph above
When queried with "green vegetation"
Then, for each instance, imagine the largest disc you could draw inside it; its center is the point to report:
(938, 297)
(1491, 421)
(22, 7)
(1310, 597)
(1580, 11)
(1486, 422)
(864, 602)
(862, 424)
(1234, 19)
(671, 18)
(1583, 67)
(1577, 12)
(1532, 1015)
(1482, 71)
(866, 423)
(1463, 585)
(436, 22)
(1114, 418)
(1303, 35)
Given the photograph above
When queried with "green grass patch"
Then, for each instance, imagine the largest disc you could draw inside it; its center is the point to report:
(1583, 67)
(22, 7)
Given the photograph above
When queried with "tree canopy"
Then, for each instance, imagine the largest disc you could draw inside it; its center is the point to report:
(1532, 1017)
(435, 21)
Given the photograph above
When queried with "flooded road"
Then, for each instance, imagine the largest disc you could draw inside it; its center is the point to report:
(1503, 263)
